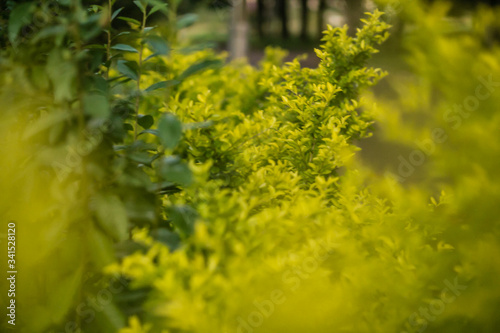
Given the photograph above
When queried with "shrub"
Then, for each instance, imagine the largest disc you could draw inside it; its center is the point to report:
(157, 189)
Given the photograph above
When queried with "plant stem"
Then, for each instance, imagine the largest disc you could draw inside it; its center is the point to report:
(138, 97)
(172, 21)
(108, 46)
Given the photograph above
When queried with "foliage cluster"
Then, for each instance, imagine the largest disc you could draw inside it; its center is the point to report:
(228, 198)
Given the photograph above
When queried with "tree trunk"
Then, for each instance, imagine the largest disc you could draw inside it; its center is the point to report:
(304, 19)
(354, 11)
(261, 10)
(238, 43)
(321, 20)
(283, 15)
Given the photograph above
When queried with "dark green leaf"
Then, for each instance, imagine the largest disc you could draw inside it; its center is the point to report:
(124, 47)
(64, 294)
(183, 218)
(62, 74)
(95, 46)
(163, 186)
(119, 147)
(150, 131)
(185, 21)
(172, 169)
(167, 237)
(128, 127)
(19, 17)
(100, 247)
(199, 66)
(145, 121)
(91, 27)
(111, 215)
(159, 7)
(158, 44)
(130, 20)
(116, 12)
(148, 29)
(161, 84)
(123, 33)
(140, 157)
(128, 68)
(57, 30)
(151, 57)
(169, 131)
(96, 105)
(111, 319)
(140, 145)
(141, 6)
(99, 84)
(44, 123)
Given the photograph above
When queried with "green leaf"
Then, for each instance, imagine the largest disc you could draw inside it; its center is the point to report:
(128, 127)
(130, 20)
(158, 7)
(116, 12)
(197, 47)
(128, 68)
(202, 124)
(124, 47)
(169, 131)
(123, 33)
(100, 247)
(199, 66)
(19, 17)
(111, 215)
(149, 131)
(167, 237)
(148, 29)
(183, 218)
(158, 44)
(44, 123)
(172, 169)
(111, 319)
(140, 157)
(95, 46)
(56, 30)
(145, 121)
(162, 84)
(90, 28)
(141, 6)
(65, 293)
(62, 74)
(185, 21)
(96, 105)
